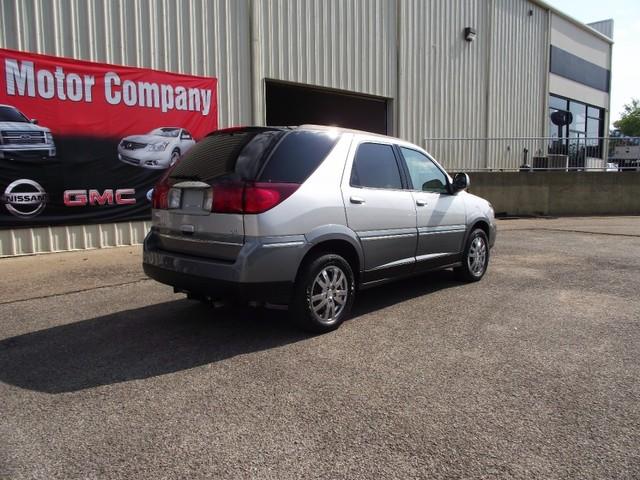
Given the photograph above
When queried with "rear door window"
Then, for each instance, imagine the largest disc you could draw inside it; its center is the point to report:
(297, 156)
(375, 166)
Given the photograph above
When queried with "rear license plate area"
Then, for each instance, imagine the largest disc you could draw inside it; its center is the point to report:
(192, 199)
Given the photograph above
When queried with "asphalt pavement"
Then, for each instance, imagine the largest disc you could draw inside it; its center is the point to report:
(534, 372)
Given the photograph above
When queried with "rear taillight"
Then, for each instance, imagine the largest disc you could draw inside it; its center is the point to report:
(160, 198)
(260, 197)
(227, 197)
(249, 198)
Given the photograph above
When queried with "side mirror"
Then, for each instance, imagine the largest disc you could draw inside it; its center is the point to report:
(34, 121)
(461, 181)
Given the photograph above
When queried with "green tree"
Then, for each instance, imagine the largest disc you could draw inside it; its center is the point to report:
(629, 123)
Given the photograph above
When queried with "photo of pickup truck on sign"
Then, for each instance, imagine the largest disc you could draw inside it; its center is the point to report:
(84, 142)
(22, 138)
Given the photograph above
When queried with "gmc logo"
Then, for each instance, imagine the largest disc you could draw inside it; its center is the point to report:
(81, 198)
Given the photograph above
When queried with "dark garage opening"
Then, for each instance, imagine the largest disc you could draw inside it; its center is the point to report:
(295, 105)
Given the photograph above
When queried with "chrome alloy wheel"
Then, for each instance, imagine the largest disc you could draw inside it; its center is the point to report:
(477, 256)
(329, 294)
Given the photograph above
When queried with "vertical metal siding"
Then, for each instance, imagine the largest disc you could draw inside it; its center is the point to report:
(25, 241)
(342, 44)
(442, 76)
(605, 27)
(493, 86)
(199, 37)
(518, 69)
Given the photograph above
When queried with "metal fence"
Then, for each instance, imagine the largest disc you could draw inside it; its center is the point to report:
(577, 153)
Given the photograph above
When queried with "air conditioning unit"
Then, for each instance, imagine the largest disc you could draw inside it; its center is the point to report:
(551, 162)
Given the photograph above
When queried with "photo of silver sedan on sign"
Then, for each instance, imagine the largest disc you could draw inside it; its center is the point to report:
(158, 149)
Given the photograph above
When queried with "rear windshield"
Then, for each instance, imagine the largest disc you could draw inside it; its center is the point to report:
(297, 156)
(240, 155)
(228, 155)
(212, 157)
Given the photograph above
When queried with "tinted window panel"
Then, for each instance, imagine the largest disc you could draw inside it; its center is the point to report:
(375, 166)
(424, 174)
(234, 155)
(297, 156)
(593, 128)
(578, 69)
(579, 111)
(593, 112)
(557, 102)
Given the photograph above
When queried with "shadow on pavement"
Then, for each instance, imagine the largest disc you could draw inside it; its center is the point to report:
(392, 293)
(165, 338)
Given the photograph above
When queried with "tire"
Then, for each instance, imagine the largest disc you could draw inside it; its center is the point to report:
(316, 307)
(475, 258)
(175, 155)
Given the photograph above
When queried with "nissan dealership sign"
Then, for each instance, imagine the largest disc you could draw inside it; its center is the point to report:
(84, 142)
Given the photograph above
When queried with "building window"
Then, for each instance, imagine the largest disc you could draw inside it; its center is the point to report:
(576, 130)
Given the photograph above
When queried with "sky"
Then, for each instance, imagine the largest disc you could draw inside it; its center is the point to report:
(625, 77)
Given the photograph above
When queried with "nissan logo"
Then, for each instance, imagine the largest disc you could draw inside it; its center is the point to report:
(24, 198)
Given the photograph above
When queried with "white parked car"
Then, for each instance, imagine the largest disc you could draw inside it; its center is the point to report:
(23, 139)
(158, 149)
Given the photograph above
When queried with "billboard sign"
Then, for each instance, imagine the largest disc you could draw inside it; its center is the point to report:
(84, 142)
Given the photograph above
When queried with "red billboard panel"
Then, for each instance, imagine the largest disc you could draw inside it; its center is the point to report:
(69, 126)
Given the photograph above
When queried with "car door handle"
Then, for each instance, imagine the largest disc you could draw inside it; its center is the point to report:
(421, 203)
(357, 200)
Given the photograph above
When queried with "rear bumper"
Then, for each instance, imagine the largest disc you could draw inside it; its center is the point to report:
(272, 292)
(261, 272)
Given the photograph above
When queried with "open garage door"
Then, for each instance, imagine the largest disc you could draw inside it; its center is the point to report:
(296, 105)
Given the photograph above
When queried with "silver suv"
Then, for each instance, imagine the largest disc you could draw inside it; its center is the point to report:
(308, 216)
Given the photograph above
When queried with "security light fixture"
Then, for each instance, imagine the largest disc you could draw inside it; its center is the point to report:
(469, 34)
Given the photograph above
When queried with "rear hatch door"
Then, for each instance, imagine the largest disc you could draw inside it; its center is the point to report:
(213, 171)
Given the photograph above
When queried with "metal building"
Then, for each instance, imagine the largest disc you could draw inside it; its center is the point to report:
(416, 69)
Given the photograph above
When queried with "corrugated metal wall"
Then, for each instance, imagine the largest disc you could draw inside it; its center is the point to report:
(442, 77)
(199, 37)
(491, 87)
(518, 72)
(517, 66)
(605, 27)
(25, 241)
(342, 44)
(411, 51)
